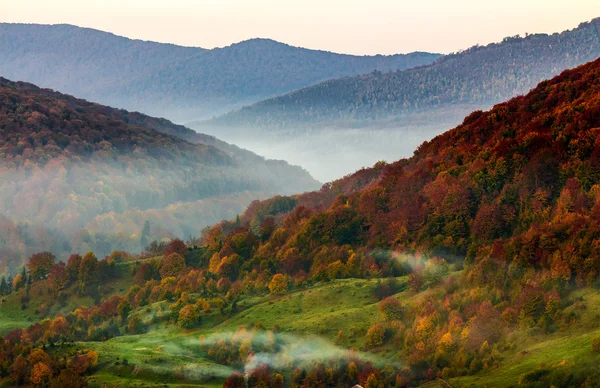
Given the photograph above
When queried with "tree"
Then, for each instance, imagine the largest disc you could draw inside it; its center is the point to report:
(171, 265)
(147, 271)
(124, 309)
(375, 335)
(135, 325)
(4, 287)
(58, 277)
(41, 374)
(87, 274)
(39, 265)
(145, 236)
(278, 284)
(175, 246)
(390, 308)
(68, 378)
(415, 281)
(18, 282)
(189, 316)
(19, 371)
(72, 268)
(235, 380)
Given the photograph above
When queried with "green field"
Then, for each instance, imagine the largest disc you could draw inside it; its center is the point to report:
(169, 356)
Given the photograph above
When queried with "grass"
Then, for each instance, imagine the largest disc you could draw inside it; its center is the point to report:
(324, 309)
(170, 356)
(348, 305)
(560, 348)
(17, 312)
(162, 357)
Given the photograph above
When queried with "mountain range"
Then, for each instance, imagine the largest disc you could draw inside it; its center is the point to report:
(475, 262)
(180, 83)
(70, 166)
(477, 77)
(340, 125)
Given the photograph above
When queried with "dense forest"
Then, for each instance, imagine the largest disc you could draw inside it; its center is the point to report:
(66, 161)
(180, 83)
(455, 84)
(486, 239)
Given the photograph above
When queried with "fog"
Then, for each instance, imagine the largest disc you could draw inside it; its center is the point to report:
(333, 153)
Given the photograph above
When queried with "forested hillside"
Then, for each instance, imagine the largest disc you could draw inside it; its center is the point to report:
(453, 85)
(180, 83)
(474, 262)
(65, 161)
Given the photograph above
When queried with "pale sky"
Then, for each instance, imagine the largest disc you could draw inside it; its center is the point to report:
(345, 26)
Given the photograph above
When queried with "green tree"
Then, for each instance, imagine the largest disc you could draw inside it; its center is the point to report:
(375, 335)
(3, 286)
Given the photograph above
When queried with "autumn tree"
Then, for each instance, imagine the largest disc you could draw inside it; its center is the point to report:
(235, 380)
(58, 277)
(39, 265)
(175, 246)
(72, 267)
(278, 284)
(18, 282)
(390, 308)
(171, 265)
(375, 335)
(41, 374)
(88, 274)
(189, 316)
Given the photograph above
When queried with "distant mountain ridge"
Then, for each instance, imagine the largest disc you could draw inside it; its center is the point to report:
(473, 79)
(180, 83)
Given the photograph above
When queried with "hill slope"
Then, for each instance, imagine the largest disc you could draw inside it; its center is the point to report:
(65, 161)
(479, 76)
(181, 83)
(353, 122)
(476, 261)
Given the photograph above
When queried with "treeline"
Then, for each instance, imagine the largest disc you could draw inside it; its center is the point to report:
(475, 78)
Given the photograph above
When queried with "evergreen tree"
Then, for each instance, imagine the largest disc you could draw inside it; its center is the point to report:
(145, 238)
(9, 284)
(3, 286)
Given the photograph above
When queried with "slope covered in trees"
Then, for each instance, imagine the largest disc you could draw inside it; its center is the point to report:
(181, 83)
(475, 261)
(65, 161)
(453, 85)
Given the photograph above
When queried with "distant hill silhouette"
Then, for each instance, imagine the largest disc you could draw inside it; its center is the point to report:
(180, 83)
(454, 85)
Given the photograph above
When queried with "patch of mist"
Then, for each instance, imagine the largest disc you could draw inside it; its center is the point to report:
(289, 351)
(332, 154)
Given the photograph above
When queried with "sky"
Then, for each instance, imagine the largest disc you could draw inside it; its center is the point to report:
(363, 27)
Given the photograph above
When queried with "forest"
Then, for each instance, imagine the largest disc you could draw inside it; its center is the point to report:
(65, 162)
(474, 262)
(180, 83)
(475, 78)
